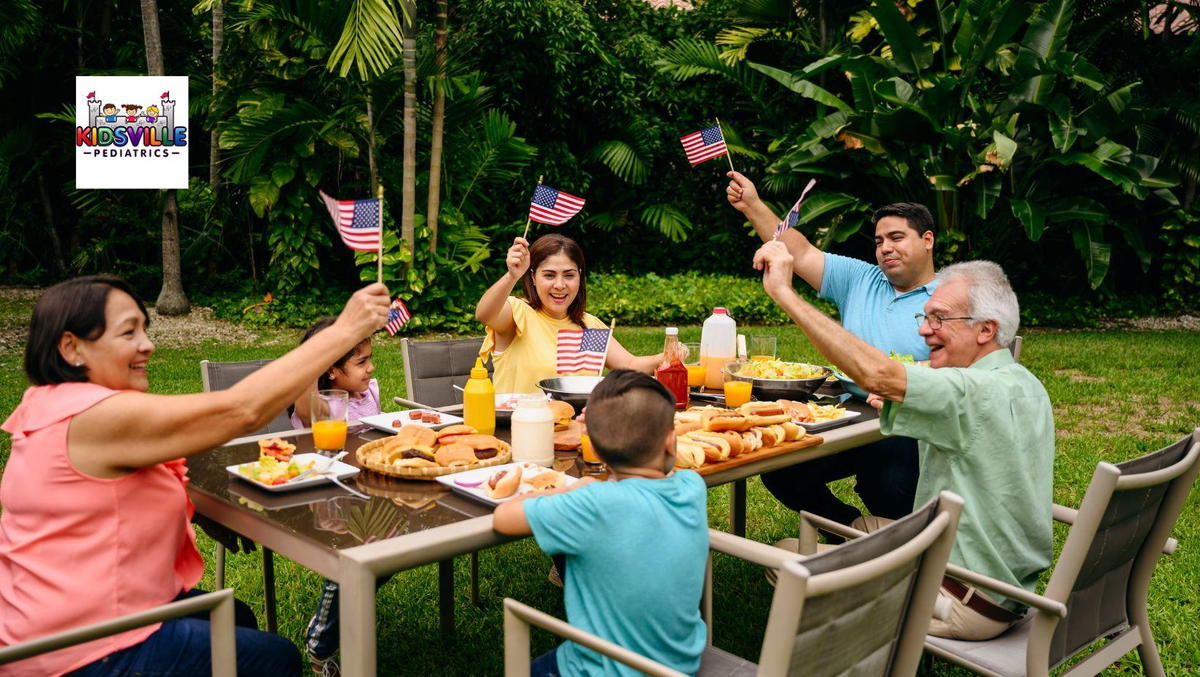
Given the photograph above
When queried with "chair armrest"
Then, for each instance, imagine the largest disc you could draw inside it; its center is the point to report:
(411, 404)
(1067, 516)
(810, 523)
(451, 408)
(748, 550)
(514, 610)
(219, 604)
(1022, 595)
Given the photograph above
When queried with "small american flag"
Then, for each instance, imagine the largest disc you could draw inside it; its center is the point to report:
(357, 221)
(398, 315)
(580, 349)
(704, 145)
(793, 217)
(552, 206)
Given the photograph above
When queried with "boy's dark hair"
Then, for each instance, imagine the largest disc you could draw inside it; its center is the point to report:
(917, 216)
(76, 305)
(629, 414)
(543, 248)
(323, 381)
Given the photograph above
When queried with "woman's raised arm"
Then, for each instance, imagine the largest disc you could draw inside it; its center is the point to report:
(132, 430)
(493, 309)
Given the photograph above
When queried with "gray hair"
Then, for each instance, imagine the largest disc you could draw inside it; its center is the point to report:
(989, 296)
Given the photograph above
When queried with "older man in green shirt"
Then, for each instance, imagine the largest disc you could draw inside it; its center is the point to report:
(984, 426)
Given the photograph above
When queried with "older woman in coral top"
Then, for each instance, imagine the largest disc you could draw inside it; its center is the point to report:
(96, 518)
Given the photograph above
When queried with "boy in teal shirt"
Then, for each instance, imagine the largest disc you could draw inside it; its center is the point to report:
(636, 547)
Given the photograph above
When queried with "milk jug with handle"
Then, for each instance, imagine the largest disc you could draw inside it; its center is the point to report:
(718, 346)
(533, 431)
(479, 400)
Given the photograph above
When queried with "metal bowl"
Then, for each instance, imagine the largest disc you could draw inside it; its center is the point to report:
(850, 386)
(574, 390)
(778, 389)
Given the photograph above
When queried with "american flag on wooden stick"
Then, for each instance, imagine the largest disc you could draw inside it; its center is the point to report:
(580, 349)
(552, 206)
(357, 221)
(704, 145)
(398, 316)
(793, 216)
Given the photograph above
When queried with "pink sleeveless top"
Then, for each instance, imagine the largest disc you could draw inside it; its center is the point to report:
(76, 549)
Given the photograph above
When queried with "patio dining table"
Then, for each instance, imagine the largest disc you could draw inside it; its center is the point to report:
(405, 523)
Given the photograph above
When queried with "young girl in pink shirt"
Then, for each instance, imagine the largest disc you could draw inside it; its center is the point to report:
(96, 517)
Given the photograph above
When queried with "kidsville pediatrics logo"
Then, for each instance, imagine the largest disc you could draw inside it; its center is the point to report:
(131, 132)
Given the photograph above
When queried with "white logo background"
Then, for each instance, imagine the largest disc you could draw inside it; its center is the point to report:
(129, 165)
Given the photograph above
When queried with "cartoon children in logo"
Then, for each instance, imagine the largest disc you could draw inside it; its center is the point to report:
(110, 112)
(131, 111)
(151, 113)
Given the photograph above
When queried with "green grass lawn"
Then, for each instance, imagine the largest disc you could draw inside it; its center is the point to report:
(1116, 394)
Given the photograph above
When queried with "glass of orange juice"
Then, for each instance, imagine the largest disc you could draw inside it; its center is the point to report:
(327, 411)
(592, 461)
(762, 347)
(737, 393)
(696, 372)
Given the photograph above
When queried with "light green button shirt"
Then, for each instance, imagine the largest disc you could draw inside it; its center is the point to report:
(986, 433)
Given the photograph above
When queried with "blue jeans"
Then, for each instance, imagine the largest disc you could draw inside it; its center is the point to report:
(545, 665)
(182, 647)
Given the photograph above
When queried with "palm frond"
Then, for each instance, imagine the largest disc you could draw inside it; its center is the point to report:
(496, 156)
(623, 158)
(371, 39)
(667, 219)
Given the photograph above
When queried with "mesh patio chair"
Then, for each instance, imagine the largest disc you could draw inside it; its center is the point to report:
(433, 368)
(1015, 348)
(1098, 587)
(860, 609)
(219, 604)
(221, 376)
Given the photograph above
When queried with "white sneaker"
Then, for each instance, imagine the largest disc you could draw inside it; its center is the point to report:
(325, 667)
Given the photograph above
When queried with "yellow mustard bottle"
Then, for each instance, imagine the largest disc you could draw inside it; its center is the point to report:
(479, 400)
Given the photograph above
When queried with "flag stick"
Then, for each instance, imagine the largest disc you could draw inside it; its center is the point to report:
(379, 253)
(604, 360)
(727, 154)
(525, 236)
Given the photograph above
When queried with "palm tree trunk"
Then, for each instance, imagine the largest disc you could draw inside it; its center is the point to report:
(171, 299)
(371, 165)
(439, 122)
(218, 38)
(409, 189)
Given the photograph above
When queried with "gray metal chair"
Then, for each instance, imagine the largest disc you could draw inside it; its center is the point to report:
(1098, 587)
(433, 368)
(221, 376)
(219, 604)
(860, 609)
(1015, 348)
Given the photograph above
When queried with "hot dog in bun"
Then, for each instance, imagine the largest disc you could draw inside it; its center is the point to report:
(720, 420)
(688, 453)
(504, 483)
(715, 445)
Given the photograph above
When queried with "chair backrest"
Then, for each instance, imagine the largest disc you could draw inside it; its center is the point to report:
(862, 608)
(433, 368)
(1015, 348)
(222, 375)
(1103, 572)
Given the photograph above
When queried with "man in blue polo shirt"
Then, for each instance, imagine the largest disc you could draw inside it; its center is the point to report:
(877, 304)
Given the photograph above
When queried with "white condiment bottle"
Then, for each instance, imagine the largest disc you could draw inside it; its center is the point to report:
(533, 431)
(718, 346)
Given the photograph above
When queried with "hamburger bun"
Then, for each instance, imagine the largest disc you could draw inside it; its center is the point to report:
(483, 446)
(563, 412)
(413, 436)
(451, 432)
(688, 454)
(450, 455)
(413, 463)
(548, 479)
(504, 483)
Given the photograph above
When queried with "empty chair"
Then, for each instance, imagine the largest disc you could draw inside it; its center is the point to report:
(222, 375)
(219, 604)
(1015, 348)
(1098, 586)
(862, 608)
(433, 368)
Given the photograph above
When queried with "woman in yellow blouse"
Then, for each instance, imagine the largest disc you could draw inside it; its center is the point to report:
(522, 333)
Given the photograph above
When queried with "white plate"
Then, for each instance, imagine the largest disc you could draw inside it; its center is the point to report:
(818, 426)
(481, 475)
(386, 421)
(342, 470)
(503, 399)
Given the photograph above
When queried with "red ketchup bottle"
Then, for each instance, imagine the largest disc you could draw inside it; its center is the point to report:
(671, 373)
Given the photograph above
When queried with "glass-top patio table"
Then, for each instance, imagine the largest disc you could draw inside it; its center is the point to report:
(405, 523)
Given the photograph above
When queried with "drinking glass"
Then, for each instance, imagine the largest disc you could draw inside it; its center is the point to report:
(762, 347)
(737, 393)
(591, 460)
(327, 411)
(696, 373)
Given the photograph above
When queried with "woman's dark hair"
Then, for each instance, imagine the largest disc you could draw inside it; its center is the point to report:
(323, 381)
(545, 247)
(76, 305)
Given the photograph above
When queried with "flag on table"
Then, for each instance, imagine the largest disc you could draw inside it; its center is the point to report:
(357, 221)
(581, 349)
(398, 315)
(704, 145)
(552, 206)
(793, 217)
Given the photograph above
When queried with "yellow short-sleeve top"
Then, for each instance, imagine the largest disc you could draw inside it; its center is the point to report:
(533, 353)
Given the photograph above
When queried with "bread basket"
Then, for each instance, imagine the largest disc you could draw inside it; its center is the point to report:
(368, 457)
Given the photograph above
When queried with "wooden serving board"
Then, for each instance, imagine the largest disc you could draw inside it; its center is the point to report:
(760, 454)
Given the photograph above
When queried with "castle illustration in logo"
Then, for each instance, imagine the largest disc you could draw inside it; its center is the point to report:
(130, 129)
